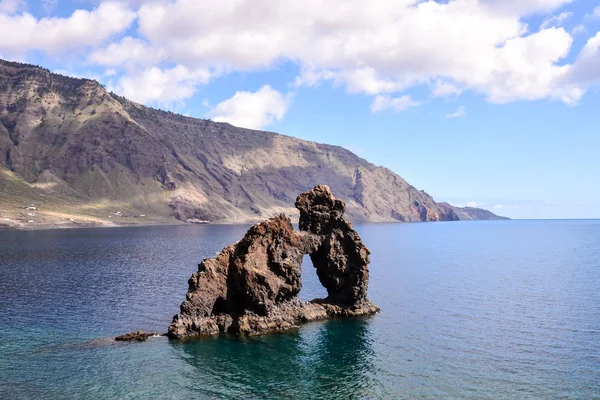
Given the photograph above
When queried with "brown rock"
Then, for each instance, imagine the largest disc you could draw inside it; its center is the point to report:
(252, 287)
(137, 336)
(341, 259)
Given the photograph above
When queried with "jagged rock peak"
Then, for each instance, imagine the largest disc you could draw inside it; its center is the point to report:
(319, 210)
(252, 286)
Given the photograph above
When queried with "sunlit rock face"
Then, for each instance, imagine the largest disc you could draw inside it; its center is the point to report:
(252, 286)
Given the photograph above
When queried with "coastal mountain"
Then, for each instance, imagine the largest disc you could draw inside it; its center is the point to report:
(471, 213)
(73, 153)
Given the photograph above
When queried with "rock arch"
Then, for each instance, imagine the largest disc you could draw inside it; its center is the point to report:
(252, 286)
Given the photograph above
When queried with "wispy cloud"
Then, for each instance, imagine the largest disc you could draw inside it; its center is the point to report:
(441, 88)
(461, 112)
(397, 104)
(579, 29)
(49, 6)
(556, 20)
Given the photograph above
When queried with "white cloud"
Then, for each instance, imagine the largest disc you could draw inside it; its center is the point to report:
(383, 102)
(19, 33)
(596, 12)
(525, 7)
(254, 110)
(360, 80)
(312, 77)
(473, 204)
(461, 112)
(556, 20)
(366, 80)
(525, 68)
(586, 69)
(579, 29)
(49, 5)
(162, 86)
(441, 88)
(379, 47)
(11, 6)
(129, 51)
(373, 47)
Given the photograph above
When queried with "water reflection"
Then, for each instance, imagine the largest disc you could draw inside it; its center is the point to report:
(343, 366)
(324, 360)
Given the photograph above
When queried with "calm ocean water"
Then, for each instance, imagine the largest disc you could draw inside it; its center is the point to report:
(498, 310)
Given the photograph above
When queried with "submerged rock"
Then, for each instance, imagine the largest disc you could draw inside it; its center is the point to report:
(252, 286)
(137, 336)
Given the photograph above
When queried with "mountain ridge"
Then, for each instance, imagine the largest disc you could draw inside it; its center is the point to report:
(82, 155)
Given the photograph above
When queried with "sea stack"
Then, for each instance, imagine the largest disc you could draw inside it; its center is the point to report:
(252, 286)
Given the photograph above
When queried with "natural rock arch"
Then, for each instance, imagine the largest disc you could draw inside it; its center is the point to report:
(252, 286)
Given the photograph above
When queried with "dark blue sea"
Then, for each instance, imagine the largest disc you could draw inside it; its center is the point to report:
(469, 310)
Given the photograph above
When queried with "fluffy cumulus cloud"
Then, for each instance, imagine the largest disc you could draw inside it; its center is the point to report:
(379, 48)
(376, 47)
(163, 86)
(254, 110)
(128, 51)
(21, 32)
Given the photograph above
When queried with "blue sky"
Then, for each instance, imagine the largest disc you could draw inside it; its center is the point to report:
(492, 103)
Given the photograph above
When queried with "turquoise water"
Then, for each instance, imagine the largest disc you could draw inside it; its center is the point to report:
(498, 310)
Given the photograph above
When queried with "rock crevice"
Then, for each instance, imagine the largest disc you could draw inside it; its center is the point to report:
(252, 286)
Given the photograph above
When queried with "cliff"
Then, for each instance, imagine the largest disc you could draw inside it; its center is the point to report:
(81, 155)
(471, 213)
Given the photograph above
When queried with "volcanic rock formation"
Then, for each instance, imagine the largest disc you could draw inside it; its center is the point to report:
(252, 286)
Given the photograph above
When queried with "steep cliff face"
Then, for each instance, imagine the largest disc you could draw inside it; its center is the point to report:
(67, 142)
